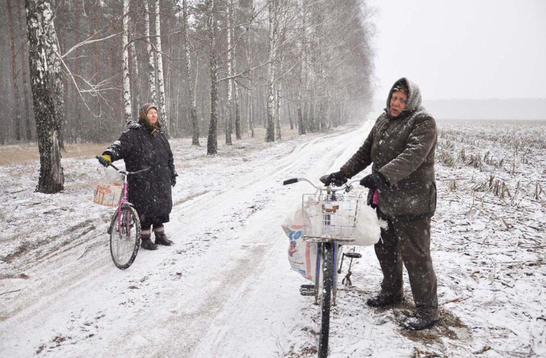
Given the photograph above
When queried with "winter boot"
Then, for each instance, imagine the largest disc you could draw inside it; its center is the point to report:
(161, 238)
(146, 242)
(383, 300)
(419, 323)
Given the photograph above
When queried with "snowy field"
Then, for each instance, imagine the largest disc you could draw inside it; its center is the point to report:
(226, 290)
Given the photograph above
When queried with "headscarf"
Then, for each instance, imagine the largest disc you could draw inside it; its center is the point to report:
(143, 117)
(414, 96)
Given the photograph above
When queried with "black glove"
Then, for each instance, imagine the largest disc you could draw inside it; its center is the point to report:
(173, 180)
(337, 178)
(374, 181)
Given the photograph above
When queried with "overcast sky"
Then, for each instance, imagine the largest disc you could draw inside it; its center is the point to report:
(462, 48)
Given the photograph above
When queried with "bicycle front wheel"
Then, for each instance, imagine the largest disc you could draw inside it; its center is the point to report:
(125, 237)
(326, 297)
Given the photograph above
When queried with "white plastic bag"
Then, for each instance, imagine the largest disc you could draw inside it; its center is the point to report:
(368, 227)
(302, 255)
(109, 189)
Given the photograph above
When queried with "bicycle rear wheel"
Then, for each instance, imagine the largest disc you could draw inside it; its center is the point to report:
(326, 297)
(125, 237)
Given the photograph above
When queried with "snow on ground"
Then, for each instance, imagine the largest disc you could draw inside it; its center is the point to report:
(226, 290)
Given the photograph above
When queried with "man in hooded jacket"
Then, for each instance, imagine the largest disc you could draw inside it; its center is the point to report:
(144, 145)
(402, 185)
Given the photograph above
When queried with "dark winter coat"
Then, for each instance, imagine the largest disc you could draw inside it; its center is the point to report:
(402, 150)
(142, 146)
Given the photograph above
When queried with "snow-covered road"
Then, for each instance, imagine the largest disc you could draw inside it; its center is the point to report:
(224, 290)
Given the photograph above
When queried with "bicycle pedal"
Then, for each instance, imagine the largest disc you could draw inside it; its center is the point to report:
(353, 255)
(307, 290)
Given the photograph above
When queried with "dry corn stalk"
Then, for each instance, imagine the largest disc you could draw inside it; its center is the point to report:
(538, 190)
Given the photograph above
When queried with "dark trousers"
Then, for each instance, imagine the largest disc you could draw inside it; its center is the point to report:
(147, 222)
(408, 244)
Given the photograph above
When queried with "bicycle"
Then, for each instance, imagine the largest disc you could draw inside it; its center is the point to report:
(124, 229)
(331, 225)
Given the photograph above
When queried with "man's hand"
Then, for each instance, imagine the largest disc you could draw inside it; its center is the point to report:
(374, 181)
(337, 178)
(105, 159)
(173, 181)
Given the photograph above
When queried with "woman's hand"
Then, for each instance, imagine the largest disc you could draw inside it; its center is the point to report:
(337, 178)
(374, 181)
(105, 159)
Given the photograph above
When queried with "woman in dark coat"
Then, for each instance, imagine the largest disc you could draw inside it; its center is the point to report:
(402, 187)
(144, 145)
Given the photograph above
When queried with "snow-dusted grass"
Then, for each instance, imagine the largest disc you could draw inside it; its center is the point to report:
(225, 289)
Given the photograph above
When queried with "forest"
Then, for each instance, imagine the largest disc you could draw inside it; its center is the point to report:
(75, 71)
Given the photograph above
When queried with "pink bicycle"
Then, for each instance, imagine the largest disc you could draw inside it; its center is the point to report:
(124, 229)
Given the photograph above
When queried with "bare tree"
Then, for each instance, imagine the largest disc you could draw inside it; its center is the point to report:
(250, 114)
(27, 115)
(191, 92)
(135, 90)
(160, 78)
(212, 28)
(127, 106)
(15, 81)
(274, 9)
(151, 56)
(47, 91)
(231, 29)
(229, 82)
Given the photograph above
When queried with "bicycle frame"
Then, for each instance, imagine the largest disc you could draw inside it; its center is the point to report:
(125, 198)
(333, 231)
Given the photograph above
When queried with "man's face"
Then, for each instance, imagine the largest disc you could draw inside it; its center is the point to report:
(398, 103)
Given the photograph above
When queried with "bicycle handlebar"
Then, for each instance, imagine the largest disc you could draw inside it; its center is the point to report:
(344, 187)
(125, 172)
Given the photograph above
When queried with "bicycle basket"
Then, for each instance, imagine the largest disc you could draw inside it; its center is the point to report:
(331, 219)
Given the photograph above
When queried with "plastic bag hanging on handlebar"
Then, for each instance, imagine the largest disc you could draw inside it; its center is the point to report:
(302, 255)
(368, 227)
(109, 189)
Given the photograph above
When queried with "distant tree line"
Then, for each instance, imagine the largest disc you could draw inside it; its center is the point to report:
(76, 70)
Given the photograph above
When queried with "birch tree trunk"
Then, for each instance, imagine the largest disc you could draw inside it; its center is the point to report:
(238, 129)
(270, 127)
(47, 92)
(151, 57)
(160, 79)
(278, 106)
(15, 81)
(250, 114)
(229, 117)
(134, 74)
(135, 90)
(303, 44)
(234, 70)
(96, 63)
(212, 140)
(191, 92)
(127, 107)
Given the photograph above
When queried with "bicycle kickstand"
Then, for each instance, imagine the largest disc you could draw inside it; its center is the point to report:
(352, 255)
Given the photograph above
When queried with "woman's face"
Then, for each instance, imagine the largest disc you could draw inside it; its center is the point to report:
(152, 116)
(399, 100)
